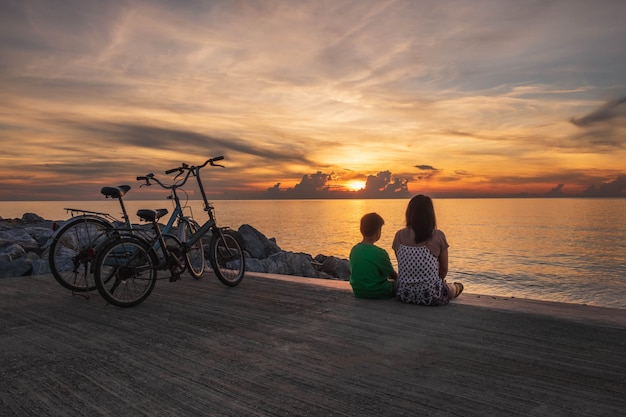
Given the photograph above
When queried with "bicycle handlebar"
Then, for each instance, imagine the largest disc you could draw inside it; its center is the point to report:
(184, 167)
(147, 179)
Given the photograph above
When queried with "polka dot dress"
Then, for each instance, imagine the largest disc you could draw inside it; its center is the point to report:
(418, 277)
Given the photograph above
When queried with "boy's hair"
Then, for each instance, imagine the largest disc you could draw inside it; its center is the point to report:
(370, 224)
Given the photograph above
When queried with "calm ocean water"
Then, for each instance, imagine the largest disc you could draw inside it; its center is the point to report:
(569, 250)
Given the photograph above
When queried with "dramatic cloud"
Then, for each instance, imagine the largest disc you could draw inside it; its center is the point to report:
(613, 110)
(614, 188)
(427, 172)
(94, 93)
(381, 185)
(602, 130)
(313, 183)
(556, 191)
(310, 186)
(425, 167)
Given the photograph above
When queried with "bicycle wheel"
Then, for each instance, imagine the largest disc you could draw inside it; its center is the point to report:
(126, 271)
(73, 250)
(227, 258)
(195, 254)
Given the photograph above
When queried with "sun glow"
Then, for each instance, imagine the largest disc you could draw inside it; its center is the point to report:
(355, 185)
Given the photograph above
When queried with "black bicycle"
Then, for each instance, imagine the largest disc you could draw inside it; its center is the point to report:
(75, 242)
(127, 266)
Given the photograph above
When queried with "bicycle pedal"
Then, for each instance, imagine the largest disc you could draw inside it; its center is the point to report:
(175, 277)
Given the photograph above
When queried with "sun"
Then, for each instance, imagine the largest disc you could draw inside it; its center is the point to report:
(355, 185)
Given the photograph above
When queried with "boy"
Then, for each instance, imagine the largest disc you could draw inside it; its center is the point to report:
(372, 275)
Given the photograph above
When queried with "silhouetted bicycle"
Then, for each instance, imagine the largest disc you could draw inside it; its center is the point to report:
(75, 244)
(126, 268)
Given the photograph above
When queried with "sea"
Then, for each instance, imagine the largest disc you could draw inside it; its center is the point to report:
(569, 250)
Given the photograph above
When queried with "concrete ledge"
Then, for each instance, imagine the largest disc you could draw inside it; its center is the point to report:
(295, 346)
(574, 312)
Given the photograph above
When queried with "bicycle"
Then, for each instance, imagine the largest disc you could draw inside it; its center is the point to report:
(187, 226)
(126, 269)
(74, 245)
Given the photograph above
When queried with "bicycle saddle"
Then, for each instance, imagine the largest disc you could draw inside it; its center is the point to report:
(151, 215)
(115, 192)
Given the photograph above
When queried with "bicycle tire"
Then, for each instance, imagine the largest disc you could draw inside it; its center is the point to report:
(126, 271)
(227, 258)
(73, 250)
(195, 254)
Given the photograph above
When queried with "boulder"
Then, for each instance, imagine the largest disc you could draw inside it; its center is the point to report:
(334, 267)
(24, 243)
(41, 267)
(20, 267)
(17, 236)
(31, 218)
(11, 252)
(41, 234)
(291, 263)
(255, 265)
(256, 243)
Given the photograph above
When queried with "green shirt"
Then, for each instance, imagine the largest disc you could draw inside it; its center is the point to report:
(370, 267)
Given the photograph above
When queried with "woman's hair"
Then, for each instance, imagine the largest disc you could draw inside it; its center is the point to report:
(420, 216)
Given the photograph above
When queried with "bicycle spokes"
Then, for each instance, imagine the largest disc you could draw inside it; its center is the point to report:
(127, 271)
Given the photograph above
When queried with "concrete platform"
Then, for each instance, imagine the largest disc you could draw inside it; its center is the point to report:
(290, 346)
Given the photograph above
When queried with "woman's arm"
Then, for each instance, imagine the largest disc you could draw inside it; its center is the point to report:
(443, 263)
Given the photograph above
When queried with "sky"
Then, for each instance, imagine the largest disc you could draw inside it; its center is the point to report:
(306, 99)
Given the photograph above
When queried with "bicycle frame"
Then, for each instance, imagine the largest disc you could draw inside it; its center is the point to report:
(72, 250)
(126, 268)
(194, 255)
(189, 171)
(210, 224)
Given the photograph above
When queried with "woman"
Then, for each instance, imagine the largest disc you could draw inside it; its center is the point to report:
(422, 253)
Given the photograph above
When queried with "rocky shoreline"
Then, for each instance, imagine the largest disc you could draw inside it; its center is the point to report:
(24, 246)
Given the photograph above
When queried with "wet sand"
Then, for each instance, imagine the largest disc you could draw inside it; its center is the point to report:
(285, 346)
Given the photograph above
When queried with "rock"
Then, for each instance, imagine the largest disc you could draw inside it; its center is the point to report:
(255, 265)
(42, 235)
(6, 224)
(17, 236)
(256, 244)
(264, 255)
(335, 267)
(291, 263)
(24, 243)
(31, 218)
(32, 256)
(11, 253)
(41, 267)
(18, 268)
